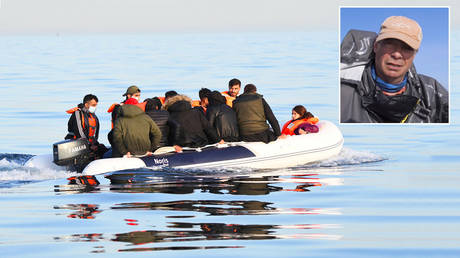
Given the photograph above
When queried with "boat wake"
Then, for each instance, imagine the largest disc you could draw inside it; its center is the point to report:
(14, 170)
(350, 157)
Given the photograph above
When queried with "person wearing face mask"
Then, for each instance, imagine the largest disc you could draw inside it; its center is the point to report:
(133, 92)
(134, 132)
(379, 83)
(83, 123)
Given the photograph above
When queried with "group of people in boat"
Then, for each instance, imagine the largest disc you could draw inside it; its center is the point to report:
(139, 128)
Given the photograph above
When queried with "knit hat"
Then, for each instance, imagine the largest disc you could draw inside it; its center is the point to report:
(402, 28)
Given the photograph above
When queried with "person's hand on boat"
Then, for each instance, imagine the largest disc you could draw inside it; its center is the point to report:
(148, 153)
(221, 142)
(302, 131)
(127, 155)
(178, 148)
(283, 136)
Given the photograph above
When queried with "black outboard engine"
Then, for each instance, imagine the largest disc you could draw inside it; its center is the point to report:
(72, 153)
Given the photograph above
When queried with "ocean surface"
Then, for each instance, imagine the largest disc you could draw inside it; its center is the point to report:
(393, 191)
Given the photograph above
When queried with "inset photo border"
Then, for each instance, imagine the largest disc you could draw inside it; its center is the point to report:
(425, 96)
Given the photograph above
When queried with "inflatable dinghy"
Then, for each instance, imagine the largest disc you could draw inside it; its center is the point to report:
(291, 151)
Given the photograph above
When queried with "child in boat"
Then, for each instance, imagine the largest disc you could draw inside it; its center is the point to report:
(303, 122)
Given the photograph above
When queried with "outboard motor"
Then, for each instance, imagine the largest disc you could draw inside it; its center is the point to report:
(72, 153)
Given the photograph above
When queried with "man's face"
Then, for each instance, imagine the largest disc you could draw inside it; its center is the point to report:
(393, 58)
(91, 103)
(234, 90)
(204, 102)
(136, 95)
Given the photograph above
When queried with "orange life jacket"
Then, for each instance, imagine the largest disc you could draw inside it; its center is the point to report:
(86, 123)
(142, 105)
(162, 99)
(290, 126)
(196, 103)
(229, 98)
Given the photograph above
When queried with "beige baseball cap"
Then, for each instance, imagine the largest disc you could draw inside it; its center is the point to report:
(402, 28)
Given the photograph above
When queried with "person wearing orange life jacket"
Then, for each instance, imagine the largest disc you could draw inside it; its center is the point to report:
(134, 132)
(83, 123)
(132, 92)
(302, 122)
(234, 86)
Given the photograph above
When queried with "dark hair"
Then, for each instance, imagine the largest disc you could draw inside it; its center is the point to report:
(170, 93)
(152, 104)
(90, 97)
(216, 98)
(203, 93)
(233, 82)
(302, 111)
(250, 88)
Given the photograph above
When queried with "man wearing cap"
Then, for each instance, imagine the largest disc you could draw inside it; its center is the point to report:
(379, 83)
(134, 132)
(132, 92)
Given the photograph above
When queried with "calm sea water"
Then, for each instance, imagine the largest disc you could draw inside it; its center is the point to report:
(392, 191)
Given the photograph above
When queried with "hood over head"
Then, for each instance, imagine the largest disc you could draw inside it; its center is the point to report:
(216, 98)
(178, 103)
(357, 47)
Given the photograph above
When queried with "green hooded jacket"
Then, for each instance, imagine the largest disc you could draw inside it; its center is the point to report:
(134, 132)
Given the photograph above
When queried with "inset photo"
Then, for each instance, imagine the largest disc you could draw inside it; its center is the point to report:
(394, 65)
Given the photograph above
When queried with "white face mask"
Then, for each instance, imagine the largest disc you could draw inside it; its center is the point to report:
(92, 109)
(137, 98)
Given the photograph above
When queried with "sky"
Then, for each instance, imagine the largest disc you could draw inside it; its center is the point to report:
(146, 16)
(133, 16)
(432, 58)
(64, 17)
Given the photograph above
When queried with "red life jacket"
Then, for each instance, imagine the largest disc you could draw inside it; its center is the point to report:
(141, 105)
(87, 124)
(290, 126)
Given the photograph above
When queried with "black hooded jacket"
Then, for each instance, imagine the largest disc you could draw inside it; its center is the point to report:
(195, 130)
(425, 100)
(168, 127)
(222, 117)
